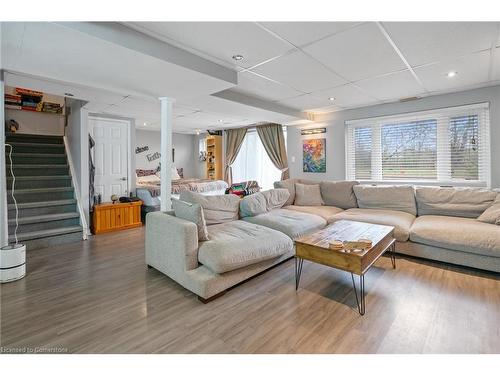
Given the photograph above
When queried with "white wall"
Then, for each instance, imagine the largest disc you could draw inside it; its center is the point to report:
(78, 150)
(37, 122)
(185, 151)
(335, 135)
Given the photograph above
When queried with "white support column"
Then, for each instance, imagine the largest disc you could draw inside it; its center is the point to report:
(166, 152)
(4, 237)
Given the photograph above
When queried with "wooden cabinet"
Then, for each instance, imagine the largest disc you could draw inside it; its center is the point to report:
(214, 157)
(108, 217)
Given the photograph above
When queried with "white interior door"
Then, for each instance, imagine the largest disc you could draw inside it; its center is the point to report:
(110, 157)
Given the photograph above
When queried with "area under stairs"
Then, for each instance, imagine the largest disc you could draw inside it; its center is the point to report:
(48, 211)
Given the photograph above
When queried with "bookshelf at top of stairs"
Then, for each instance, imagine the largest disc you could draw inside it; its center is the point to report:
(48, 212)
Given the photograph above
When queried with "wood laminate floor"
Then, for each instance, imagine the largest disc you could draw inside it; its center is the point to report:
(98, 296)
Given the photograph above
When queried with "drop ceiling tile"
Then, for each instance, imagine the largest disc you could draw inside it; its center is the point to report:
(426, 42)
(304, 102)
(347, 96)
(301, 72)
(222, 40)
(301, 33)
(358, 53)
(252, 84)
(393, 86)
(471, 70)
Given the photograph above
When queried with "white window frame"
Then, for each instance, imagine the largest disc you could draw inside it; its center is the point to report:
(442, 116)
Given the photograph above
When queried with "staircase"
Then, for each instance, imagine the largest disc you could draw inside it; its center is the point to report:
(48, 213)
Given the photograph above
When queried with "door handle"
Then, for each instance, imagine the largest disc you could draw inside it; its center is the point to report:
(123, 179)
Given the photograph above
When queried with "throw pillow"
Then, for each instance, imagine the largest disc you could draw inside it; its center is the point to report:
(262, 202)
(217, 209)
(290, 186)
(308, 195)
(492, 214)
(275, 198)
(253, 205)
(192, 212)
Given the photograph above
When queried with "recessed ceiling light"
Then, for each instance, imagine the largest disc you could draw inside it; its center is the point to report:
(144, 124)
(451, 74)
(197, 131)
(238, 57)
(221, 120)
(331, 98)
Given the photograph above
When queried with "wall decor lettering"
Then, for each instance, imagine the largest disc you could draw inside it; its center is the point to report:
(138, 149)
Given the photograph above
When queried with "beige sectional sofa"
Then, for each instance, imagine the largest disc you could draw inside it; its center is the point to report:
(430, 222)
(434, 223)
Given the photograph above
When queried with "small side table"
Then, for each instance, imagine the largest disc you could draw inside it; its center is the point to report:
(109, 217)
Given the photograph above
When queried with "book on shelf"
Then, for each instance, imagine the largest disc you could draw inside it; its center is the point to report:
(26, 108)
(21, 91)
(12, 106)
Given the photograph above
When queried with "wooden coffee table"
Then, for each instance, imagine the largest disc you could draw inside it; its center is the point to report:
(315, 248)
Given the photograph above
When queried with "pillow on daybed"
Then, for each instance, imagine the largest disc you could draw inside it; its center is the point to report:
(217, 209)
(308, 195)
(191, 212)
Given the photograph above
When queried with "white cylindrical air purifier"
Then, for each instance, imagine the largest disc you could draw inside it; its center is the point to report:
(12, 262)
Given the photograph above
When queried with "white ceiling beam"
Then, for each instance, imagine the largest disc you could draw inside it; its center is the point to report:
(260, 103)
(119, 34)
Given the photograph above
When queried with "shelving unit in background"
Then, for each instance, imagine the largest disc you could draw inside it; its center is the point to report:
(214, 157)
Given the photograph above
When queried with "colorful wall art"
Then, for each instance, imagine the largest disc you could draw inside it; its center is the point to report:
(314, 155)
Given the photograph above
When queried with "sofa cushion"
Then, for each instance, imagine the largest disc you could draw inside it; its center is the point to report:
(457, 233)
(401, 221)
(339, 193)
(275, 198)
(191, 212)
(290, 186)
(238, 244)
(263, 201)
(326, 212)
(307, 195)
(217, 209)
(462, 202)
(292, 223)
(391, 197)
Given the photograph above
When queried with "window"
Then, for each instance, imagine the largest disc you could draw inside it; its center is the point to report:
(448, 146)
(253, 163)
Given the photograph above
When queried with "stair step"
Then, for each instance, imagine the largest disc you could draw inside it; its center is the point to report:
(36, 148)
(49, 238)
(44, 218)
(34, 138)
(46, 233)
(44, 194)
(43, 207)
(39, 182)
(43, 222)
(39, 170)
(35, 158)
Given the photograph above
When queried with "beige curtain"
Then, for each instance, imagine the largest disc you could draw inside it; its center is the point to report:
(273, 140)
(234, 140)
